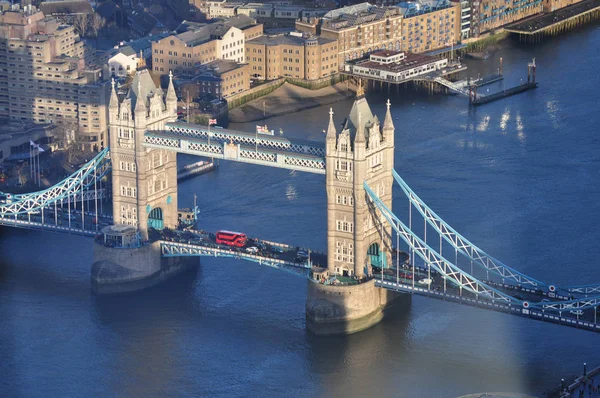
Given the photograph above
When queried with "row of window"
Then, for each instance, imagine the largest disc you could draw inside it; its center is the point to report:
(128, 215)
(129, 192)
(344, 226)
(344, 200)
(127, 166)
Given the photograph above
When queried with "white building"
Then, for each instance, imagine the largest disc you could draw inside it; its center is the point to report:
(395, 66)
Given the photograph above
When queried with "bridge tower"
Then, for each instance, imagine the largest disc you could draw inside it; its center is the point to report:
(357, 237)
(362, 151)
(144, 181)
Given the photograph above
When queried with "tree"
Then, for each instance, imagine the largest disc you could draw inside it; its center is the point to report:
(81, 22)
(65, 133)
(95, 23)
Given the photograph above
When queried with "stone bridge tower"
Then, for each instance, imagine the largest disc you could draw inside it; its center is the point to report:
(144, 181)
(357, 237)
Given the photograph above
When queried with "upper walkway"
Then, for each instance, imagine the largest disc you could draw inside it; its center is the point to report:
(240, 146)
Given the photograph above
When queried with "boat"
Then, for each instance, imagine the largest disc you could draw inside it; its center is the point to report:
(195, 169)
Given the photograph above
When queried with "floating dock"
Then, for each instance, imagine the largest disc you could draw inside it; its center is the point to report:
(484, 99)
(195, 169)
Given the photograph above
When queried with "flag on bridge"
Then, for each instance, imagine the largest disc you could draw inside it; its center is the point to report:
(212, 121)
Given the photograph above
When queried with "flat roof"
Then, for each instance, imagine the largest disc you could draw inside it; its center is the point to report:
(286, 39)
(410, 61)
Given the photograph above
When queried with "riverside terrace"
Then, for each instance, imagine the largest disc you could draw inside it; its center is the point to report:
(397, 66)
(574, 14)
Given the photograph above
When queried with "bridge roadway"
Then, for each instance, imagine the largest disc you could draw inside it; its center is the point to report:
(295, 260)
(61, 222)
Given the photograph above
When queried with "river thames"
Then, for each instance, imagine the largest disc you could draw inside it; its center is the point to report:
(519, 177)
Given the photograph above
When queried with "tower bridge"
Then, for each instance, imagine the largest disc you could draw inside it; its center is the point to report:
(350, 285)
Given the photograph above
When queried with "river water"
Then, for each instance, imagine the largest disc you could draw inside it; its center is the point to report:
(520, 177)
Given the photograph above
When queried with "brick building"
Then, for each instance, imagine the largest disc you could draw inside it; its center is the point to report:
(358, 30)
(202, 44)
(271, 57)
(222, 78)
(429, 25)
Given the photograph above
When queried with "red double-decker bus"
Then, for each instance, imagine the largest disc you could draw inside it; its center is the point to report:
(229, 238)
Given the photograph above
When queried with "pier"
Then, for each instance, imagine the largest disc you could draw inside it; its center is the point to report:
(534, 29)
(475, 100)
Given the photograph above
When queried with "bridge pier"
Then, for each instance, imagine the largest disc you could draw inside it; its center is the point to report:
(346, 309)
(122, 270)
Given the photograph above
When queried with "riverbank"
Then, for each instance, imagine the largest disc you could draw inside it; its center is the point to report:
(287, 99)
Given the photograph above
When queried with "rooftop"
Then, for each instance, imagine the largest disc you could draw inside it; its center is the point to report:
(410, 61)
(66, 7)
(204, 33)
(286, 39)
(221, 66)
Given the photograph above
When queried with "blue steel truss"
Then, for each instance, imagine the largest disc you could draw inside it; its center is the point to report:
(280, 158)
(177, 249)
(77, 182)
(462, 279)
(266, 141)
(463, 245)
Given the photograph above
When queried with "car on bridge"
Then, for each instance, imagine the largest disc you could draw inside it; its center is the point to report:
(252, 250)
(425, 281)
(276, 249)
(577, 312)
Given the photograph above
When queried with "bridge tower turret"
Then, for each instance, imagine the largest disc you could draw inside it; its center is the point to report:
(357, 237)
(144, 180)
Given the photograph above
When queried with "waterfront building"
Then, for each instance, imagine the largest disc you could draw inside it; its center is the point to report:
(492, 14)
(358, 30)
(429, 25)
(293, 55)
(465, 18)
(203, 44)
(222, 78)
(43, 77)
(395, 66)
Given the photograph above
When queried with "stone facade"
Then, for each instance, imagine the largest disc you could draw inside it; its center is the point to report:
(361, 152)
(272, 57)
(144, 181)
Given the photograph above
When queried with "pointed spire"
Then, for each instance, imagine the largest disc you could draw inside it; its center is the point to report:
(388, 123)
(140, 100)
(171, 90)
(360, 91)
(360, 130)
(114, 101)
(331, 133)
